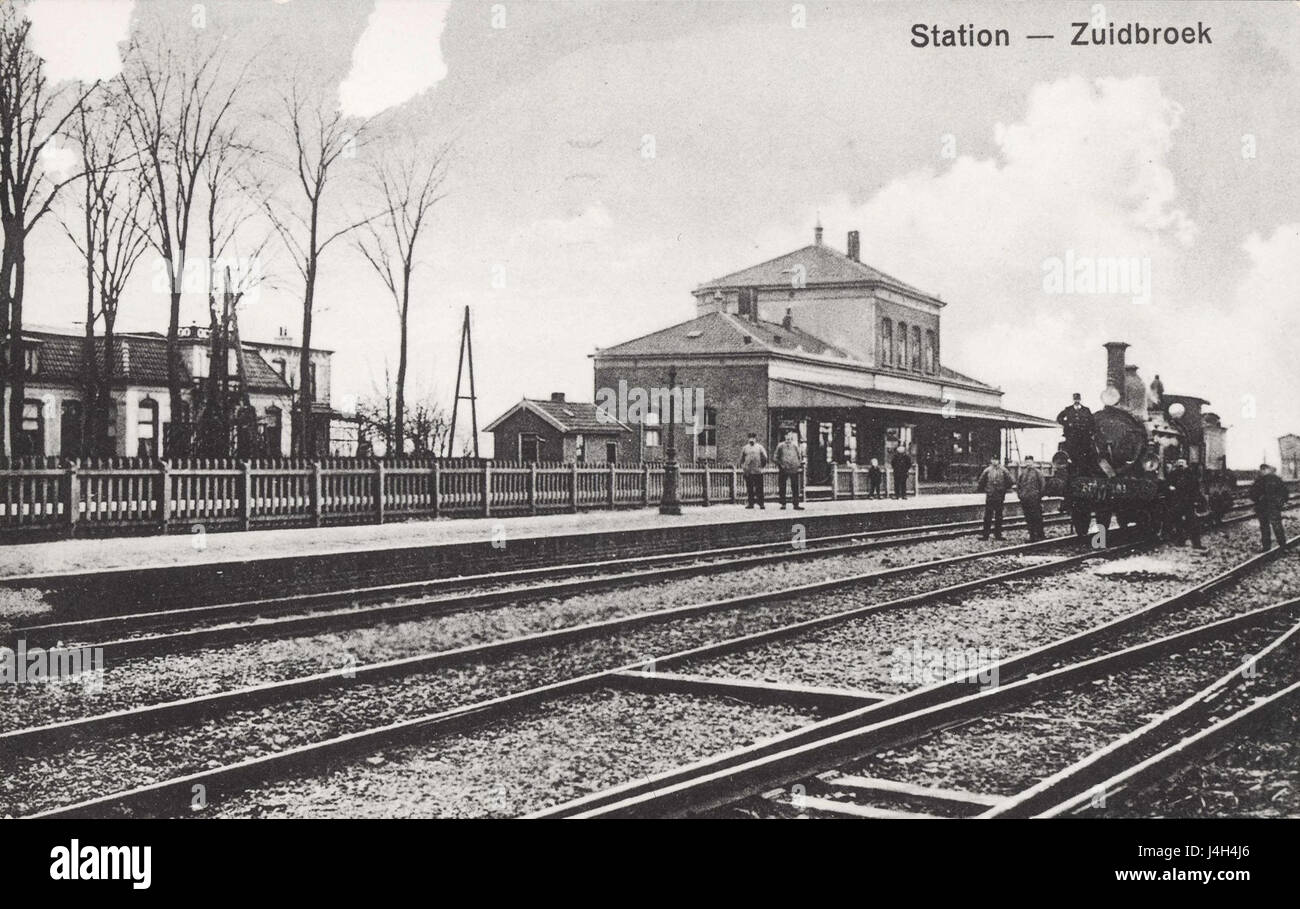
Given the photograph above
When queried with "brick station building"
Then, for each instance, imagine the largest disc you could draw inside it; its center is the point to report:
(819, 342)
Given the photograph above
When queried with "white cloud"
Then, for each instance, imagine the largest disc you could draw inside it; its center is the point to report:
(78, 39)
(398, 56)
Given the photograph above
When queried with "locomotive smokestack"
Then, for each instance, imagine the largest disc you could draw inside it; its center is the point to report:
(1115, 368)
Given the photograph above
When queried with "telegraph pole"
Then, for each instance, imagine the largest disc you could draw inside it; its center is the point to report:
(466, 355)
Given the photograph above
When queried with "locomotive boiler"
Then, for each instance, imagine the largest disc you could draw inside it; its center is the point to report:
(1115, 467)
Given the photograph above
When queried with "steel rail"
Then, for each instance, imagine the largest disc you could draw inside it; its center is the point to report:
(201, 706)
(231, 777)
(1014, 667)
(45, 634)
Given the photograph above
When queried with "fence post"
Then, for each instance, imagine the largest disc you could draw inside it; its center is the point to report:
(437, 490)
(532, 487)
(708, 487)
(645, 485)
(915, 475)
(246, 496)
(72, 501)
(379, 492)
(835, 481)
(573, 487)
(317, 507)
(165, 495)
(612, 481)
(487, 489)
(853, 481)
(735, 486)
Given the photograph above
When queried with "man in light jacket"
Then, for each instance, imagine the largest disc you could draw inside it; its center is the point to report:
(1029, 489)
(753, 458)
(994, 483)
(789, 462)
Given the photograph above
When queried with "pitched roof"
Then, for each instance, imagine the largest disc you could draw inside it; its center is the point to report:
(821, 264)
(566, 416)
(955, 376)
(721, 333)
(141, 360)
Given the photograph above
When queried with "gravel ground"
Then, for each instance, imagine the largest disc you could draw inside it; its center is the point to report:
(32, 782)
(151, 680)
(560, 751)
(1257, 777)
(1062, 727)
(892, 652)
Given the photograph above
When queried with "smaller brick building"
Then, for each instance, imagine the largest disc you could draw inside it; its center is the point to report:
(561, 431)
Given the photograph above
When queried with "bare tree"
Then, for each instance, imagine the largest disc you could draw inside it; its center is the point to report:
(409, 186)
(176, 104)
(425, 425)
(111, 238)
(318, 139)
(32, 114)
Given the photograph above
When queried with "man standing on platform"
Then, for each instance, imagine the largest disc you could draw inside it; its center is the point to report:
(1269, 494)
(902, 466)
(874, 476)
(789, 462)
(994, 483)
(753, 458)
(1029, 489)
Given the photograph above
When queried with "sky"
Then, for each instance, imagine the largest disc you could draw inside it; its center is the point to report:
(610, 156)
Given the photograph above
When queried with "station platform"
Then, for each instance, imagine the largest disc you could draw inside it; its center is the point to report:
(121, 574)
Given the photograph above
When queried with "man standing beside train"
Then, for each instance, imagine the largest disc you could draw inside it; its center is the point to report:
(1184, 492)
(1080, 427)
(994, 483)
(1029, 489)
(1269, 494)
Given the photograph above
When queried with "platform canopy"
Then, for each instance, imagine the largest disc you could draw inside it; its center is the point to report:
(791, 393)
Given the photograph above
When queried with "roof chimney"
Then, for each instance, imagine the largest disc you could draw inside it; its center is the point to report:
(853, 245)
(817, 233)
(557, 397)
(1115, 368)
(788, 322)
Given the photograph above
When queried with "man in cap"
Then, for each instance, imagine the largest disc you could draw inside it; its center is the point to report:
(1184, 493)
(1080, 427)
(1269, 494)
(994, 483)
(1029, 489)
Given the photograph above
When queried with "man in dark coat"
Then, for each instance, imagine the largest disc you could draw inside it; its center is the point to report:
(1184, 492)
(874, 476)
(1029, 489)
(902, 466)
(1080, 427)
(1269, 494)
(994, 483)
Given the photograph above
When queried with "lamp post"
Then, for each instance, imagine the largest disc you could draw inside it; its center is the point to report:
(669, 503)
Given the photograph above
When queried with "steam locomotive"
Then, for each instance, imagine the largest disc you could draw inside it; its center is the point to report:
(1120, 471)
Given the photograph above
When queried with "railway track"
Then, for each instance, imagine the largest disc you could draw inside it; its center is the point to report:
(164, 631)
(234, 776)
(798, 758)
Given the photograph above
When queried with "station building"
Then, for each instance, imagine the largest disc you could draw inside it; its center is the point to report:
(819, 342)
(141, 405)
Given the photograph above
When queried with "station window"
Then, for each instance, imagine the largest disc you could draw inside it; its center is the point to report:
(650, 428)
(886, 342)
(708, 434)
(901, 360)
(147, 428)
(916, 348)
(931, 353)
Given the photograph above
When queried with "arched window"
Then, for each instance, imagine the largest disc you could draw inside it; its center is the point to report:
(886, 342)
(916, 348)
(931, 353)
(146, 431)
(901, 360)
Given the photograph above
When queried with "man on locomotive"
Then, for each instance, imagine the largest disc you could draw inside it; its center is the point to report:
(1080, 427)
